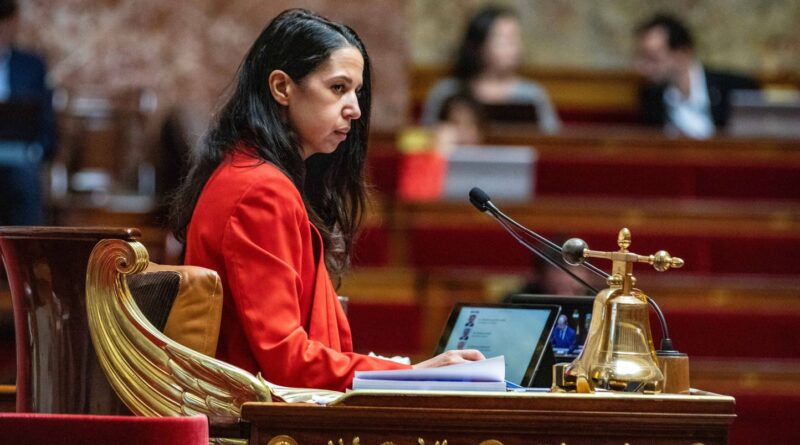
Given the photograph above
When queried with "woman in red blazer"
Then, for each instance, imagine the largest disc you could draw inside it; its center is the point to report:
(274, 197)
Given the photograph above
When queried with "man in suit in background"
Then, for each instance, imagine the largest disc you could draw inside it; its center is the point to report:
(23, 79)
(682, 95)
(563, 336)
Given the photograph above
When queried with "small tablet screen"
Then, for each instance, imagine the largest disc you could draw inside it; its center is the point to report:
(518, 332)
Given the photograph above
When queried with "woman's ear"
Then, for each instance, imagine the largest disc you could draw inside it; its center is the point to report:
(280, 86)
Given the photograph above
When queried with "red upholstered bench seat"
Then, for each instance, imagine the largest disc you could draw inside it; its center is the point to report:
(732, 333)
(490, 247)
(709, 177)
(766, 418)
(68, 429)
(558, 176)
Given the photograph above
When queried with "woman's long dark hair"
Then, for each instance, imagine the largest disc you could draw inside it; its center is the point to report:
(469, 61)
(297, 42)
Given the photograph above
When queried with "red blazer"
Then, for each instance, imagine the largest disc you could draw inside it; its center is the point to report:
(280, 314)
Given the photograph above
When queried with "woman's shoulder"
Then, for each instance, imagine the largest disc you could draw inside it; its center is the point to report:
(243, 176)
(447, 86)
(529, 90)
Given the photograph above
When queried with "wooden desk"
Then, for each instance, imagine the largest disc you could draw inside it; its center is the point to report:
(492, 419)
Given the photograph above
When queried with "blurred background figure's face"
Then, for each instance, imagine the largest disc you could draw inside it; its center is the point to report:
(562, 320)
(503, 46)
(556, 282)
(465, 124)
(8, 30)
(654, 59)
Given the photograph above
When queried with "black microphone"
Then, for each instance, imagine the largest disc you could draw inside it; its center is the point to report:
(571, 252)
(479, 199)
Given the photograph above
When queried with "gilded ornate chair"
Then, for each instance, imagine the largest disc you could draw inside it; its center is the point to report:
(152, 372)
(100, 328)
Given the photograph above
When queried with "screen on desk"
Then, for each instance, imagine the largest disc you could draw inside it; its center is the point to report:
(518, 332)
(513, 113)
(506, 173)
(764, 114)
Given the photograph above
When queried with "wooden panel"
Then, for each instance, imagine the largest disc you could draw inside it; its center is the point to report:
(498, 419)
(578, 94)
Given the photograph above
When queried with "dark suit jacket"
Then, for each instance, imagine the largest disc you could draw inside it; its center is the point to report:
(21, 199)
(653, 110)
(27, 81)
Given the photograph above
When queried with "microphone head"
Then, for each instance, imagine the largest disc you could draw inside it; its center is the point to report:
(479, 199)
(572, 251)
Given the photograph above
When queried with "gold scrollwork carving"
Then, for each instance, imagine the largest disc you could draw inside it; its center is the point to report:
(421, 441)
(282, 440)
(491, 442)
(356, 441)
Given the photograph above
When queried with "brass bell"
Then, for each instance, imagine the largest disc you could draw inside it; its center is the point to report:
(618, 354)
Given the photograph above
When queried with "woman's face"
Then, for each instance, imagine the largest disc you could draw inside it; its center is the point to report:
(503, 46)
(322, 106)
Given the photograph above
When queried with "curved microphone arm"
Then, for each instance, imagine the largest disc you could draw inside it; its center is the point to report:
(541, 254)
(482, 202)
(553, 246)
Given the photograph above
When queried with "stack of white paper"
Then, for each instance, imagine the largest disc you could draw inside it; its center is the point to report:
(484, 375)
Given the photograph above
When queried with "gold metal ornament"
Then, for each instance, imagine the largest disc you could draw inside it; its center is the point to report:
(356, 441)
(618, 353)
(152, 374)
(421, 441)
(282, 440)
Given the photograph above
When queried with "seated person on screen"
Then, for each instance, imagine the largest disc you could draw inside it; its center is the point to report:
(248, 209)
(486, 66)
(682, 95)
(563, 336)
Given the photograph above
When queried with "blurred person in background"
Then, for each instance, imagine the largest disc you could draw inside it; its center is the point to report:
(23, 80)
(486, 66)
(681, 95)
(461, 121)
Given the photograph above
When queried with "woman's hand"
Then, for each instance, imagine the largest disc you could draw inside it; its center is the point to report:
(451, 358)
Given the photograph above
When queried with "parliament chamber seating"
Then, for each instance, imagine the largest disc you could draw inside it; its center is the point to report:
(739, 242)
(729, 207)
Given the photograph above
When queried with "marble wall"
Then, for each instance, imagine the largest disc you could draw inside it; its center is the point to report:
(755, 36)
(187, 51)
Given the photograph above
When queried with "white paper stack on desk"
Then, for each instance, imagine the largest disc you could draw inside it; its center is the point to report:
(484, 375)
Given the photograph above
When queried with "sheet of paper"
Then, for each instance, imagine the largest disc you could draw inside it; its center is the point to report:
(489, 370)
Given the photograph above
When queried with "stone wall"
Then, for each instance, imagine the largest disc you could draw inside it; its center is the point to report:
(187, 51)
